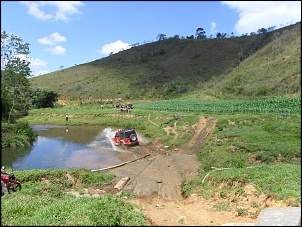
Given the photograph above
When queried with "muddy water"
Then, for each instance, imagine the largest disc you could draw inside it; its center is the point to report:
(67, 148)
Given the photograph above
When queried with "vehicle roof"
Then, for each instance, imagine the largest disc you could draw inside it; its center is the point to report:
(125, 133)
(126, 130)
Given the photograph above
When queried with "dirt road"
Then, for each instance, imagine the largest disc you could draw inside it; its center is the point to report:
(156, 180)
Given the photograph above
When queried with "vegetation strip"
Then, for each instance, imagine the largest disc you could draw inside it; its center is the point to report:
(214, 168)
(285, 106)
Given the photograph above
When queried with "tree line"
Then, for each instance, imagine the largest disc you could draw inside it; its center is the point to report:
(201, 34)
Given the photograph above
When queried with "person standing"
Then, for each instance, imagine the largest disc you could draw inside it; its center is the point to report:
(66, 117)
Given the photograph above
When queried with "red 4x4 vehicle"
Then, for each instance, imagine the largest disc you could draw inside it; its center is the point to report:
(126, 137)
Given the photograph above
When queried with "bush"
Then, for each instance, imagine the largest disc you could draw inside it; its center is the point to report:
(17, 135)
(22, 128)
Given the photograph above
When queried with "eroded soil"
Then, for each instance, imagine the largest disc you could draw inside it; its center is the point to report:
(156, 180)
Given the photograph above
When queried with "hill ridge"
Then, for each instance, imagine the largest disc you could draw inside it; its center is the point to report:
(262, 65)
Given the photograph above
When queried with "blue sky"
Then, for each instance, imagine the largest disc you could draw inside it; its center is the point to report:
(68, 33)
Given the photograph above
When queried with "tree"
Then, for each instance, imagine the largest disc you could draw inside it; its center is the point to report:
(161, 37)
(269, 29)
(43, 98)
(15, 72)
(223, 35)
(261, 31)
(200, 33)
(190, 37)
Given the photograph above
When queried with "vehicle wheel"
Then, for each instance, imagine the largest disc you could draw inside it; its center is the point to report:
(15, 187)
(132, 137)
(3, 189)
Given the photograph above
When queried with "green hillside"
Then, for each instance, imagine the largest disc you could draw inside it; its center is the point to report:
(254, 66)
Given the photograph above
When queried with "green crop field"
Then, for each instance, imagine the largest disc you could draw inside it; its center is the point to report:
(264, 106)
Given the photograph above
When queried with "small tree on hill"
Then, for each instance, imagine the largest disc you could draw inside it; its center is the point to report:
(161, 37)
(200, 33)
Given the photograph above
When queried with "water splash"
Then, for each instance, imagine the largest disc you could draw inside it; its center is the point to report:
(104, 140)
(109, 133)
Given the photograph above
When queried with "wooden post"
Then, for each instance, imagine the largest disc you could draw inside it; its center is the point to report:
(111, 167)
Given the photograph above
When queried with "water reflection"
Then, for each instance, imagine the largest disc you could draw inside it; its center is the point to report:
(66, 148)
(75, 134)
(8, 156)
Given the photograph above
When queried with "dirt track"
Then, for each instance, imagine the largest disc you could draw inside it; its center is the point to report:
(161, 173)
(156, 180)
(155, 176)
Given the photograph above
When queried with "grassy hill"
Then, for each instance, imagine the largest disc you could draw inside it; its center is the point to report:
(262, 65)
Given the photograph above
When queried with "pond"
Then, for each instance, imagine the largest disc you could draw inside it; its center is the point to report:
(61, 147)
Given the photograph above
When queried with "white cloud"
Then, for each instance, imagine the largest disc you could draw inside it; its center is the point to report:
(63, 9)
(114, 47)
(57, 37)
(36, 63)
(254, 15)
(57, 50)
(35, 66)
(213, 30)
(46, 41)
(52, 39)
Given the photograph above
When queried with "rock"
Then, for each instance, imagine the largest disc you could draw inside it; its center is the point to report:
(122, 183)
